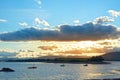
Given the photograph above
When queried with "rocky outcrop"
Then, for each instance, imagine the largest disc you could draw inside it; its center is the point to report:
(6, 70)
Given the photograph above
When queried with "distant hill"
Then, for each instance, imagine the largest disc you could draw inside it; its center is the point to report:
(112, 56)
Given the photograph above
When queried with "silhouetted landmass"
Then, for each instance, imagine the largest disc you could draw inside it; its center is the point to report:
(92, 59)
(105, 79)
(112, 56)
(95, 59)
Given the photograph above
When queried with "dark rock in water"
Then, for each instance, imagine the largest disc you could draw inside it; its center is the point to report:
(85, 65)
(33, 67)
(6, 70)
(62, 65)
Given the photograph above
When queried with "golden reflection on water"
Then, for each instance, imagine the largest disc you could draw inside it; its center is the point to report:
(94, 72)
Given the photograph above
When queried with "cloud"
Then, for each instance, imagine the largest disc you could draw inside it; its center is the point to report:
(38, 21)
(24, 24)
(45, 23)
(76, 21)
(38, 3)
(4, 54)
(105, 43)
(3, 20)
(73, 51)
(29, 34)
(114, 13)
(103, 19)
(87, 31)
(82, 51)
(30, 51)
(47, 47)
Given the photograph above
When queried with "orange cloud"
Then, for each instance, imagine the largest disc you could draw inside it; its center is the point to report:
(47, 47)
(74, 51)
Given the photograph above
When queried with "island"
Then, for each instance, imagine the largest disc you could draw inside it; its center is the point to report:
(7, 70)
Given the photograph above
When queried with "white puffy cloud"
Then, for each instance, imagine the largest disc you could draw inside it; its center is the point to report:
(39, 21)
(24, 24)
(38, 3)
(3, 20)
(76, 21)
(103, 19)
(114, 13)
(45, 23)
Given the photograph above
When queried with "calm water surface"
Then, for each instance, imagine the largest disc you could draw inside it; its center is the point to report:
(53, 71)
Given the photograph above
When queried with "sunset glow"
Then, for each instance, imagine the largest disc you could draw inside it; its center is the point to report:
(56, 48)
(45, 30)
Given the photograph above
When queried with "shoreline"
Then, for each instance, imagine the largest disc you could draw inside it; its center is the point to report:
(104, 62)
(105, 79)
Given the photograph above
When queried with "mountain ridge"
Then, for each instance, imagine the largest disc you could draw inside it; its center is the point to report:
(112, 56)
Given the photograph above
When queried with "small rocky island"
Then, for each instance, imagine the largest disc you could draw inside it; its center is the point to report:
(7, 70)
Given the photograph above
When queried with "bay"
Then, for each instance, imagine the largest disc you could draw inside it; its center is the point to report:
(53, 71)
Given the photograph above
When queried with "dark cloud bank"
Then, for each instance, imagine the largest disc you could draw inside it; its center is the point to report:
(88, 31)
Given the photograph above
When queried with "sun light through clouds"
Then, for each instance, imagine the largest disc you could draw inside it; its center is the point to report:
(37, 28)
(56, 48)
(35, 49)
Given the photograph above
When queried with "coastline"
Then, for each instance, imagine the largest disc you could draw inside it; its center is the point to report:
(105, 79)
(80, 62)
(91, 60)
(94, 62)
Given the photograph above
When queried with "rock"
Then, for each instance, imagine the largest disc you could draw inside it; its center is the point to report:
(6, 70)
(33, 67)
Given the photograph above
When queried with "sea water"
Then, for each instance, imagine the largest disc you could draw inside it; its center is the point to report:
(53, 71)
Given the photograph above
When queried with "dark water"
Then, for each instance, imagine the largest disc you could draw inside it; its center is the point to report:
(51, 71)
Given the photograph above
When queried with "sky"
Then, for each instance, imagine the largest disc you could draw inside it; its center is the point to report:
(58, 27)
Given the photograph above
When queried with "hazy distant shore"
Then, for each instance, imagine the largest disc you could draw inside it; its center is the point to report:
(104, 79)
(104, 62)
(63, 60)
